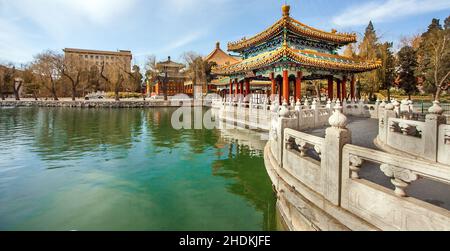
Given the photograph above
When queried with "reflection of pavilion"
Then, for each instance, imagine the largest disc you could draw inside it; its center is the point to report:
(289, 52)
(254, 140)
(244, 165)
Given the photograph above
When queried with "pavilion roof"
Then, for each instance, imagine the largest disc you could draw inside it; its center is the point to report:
(296, 27)
(306, 58)
(220, 57)
(169, 63)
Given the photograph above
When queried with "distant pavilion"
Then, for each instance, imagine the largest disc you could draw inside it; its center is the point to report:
(175, 78)
(290, 52)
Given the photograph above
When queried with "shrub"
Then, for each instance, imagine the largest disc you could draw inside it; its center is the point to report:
(124, 95)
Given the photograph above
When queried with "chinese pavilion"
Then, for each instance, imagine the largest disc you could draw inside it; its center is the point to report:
(219, 58)
(175, 78)
(289, 52)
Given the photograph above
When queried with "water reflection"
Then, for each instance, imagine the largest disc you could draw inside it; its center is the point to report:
(128, 169)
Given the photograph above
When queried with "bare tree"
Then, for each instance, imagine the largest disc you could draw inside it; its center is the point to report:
(2, 81)
(47, 67)
(17, 84)
(441, 55)
(135, 78)
(29, 81)
(114, 75)
(8, 75)
(93, 79)
(413, 41)
(199, 71)
(73, 69)
(151, 71)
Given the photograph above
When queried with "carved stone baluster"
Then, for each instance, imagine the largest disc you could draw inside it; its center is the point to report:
(393, 126)
(400, 178)
(289, 143)
(301, 147)
(447, 137)
(405, 128)
(355, 166)
(318, 150)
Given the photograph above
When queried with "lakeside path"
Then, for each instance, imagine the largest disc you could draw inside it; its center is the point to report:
(102, 103)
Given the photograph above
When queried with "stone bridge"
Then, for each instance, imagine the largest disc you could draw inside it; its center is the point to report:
(337, 178)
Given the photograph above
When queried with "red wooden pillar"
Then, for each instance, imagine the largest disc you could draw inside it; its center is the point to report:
(236, 91)
(247, 86)
(344, 88)
(298, 86)
(339, 89)
(286, 86)
(231, 87)
(352, 88)
(274, 84)
(242, 88)
(330, 88)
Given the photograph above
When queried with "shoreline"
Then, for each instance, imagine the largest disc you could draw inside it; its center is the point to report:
(94, 103)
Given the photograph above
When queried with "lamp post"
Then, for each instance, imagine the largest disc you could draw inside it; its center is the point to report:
(162, 77)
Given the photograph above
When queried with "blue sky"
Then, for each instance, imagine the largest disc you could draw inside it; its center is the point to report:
(171, 27)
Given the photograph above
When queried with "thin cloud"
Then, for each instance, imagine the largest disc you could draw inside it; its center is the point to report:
(13, 43)
(59, 17)
(387, 11)
(181, 42)
(26, 23)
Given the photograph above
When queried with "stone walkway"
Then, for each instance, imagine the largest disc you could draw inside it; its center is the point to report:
(364, 131)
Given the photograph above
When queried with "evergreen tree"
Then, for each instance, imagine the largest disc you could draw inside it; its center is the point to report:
(407, 63)
(434, 26)
(387, 71)
(368, 50)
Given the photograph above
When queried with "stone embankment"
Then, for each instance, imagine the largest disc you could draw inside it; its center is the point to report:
(92, 104)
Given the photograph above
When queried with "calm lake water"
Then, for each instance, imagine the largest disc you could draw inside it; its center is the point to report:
(128, 169)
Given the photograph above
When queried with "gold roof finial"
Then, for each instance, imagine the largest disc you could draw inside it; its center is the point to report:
(286, 9)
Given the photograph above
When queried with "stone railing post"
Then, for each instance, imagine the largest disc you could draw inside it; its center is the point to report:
(328, 106)
(376, 112)
(315, 109)
(280, 121)
(381, 108)
(344, 107)
(396, 105)
(306, 104)
(431, 131)
(298, 106)
(331, 166)
(383, 123)
(411, 106)
(361, 111)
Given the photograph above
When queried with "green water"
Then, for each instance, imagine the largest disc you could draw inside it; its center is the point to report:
(127, 169)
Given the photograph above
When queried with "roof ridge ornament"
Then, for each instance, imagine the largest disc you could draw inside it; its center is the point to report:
(286, 9)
